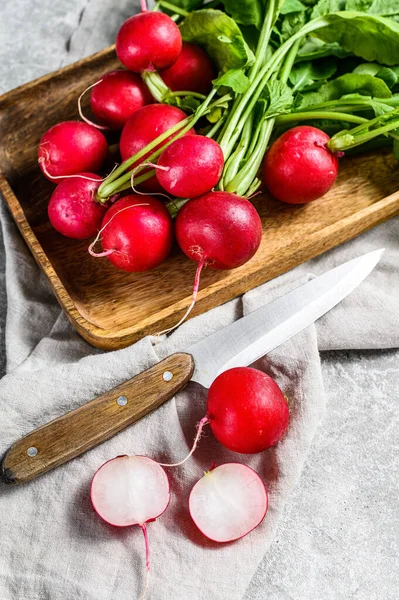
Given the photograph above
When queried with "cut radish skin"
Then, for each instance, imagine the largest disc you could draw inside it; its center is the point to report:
(131, 490)
(228, 502)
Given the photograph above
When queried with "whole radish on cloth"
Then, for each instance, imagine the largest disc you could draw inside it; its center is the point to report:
(143, 127)
(228, 502)
(299, 167)
(136, 233)
(72, 209)
(71, 147)
(193, 71)
(246, 410)
(149, 41)
(116, 96)
(131, 490)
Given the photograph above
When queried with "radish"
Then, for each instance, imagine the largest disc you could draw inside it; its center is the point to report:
(72, 209)
(192, 72)
(71, 147)
(145, 125)
(149, 41)
(220, 230)
(131, 490)
(298, 167)
(246, 410)
(137, 233)
(190, 166)
(117, 96)
(228, 502)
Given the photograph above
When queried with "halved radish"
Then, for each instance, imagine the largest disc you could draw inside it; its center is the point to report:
(131, 490)
(228, 502)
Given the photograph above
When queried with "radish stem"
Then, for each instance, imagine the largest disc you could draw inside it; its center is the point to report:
(176, 9)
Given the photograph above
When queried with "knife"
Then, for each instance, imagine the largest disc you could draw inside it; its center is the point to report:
(238, 344)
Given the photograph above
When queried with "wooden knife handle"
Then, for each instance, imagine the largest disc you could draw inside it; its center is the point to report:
(84, 428)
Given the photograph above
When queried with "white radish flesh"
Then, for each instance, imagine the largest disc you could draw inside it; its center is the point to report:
(228, 502)
(130, 490)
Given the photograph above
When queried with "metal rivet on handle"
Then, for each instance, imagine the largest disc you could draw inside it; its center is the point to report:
(32, 451)
(167, 376)
(121, 401)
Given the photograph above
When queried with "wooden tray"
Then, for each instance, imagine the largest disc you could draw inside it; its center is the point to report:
(112, 309)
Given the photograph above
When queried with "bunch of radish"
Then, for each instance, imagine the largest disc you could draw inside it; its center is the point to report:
(167, 167)
(162, 156)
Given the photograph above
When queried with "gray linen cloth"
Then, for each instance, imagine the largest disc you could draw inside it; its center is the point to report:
(52, 545)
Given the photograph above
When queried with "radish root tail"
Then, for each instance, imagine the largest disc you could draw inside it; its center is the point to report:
(85, 119)
(204, 421)
(42, 161)
(98, 236)
(147, 561)
(138, 168)
(193, 301)
(143, 5)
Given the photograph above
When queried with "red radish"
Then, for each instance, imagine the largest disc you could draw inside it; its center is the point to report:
(72, 209)
(299, 167)
(149, 41)
(247, 411)
(220, 230)
(193, 71)
(137, 233)
(192, 166)
(144, 127)
(117, 96)
(228, 502)
(71, 147)
(131, 490)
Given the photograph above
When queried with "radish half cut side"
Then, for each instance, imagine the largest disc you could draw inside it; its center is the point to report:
(131, 490)
(228, 502)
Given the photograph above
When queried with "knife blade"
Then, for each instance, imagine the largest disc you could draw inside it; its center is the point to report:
(238, 344)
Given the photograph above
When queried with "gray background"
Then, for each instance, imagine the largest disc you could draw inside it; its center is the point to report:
(355, 556)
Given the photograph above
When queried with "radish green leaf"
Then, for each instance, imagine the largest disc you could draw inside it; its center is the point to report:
(220, 37)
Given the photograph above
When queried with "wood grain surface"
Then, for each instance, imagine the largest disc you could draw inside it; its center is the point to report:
(112, 309)
(84, 428)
